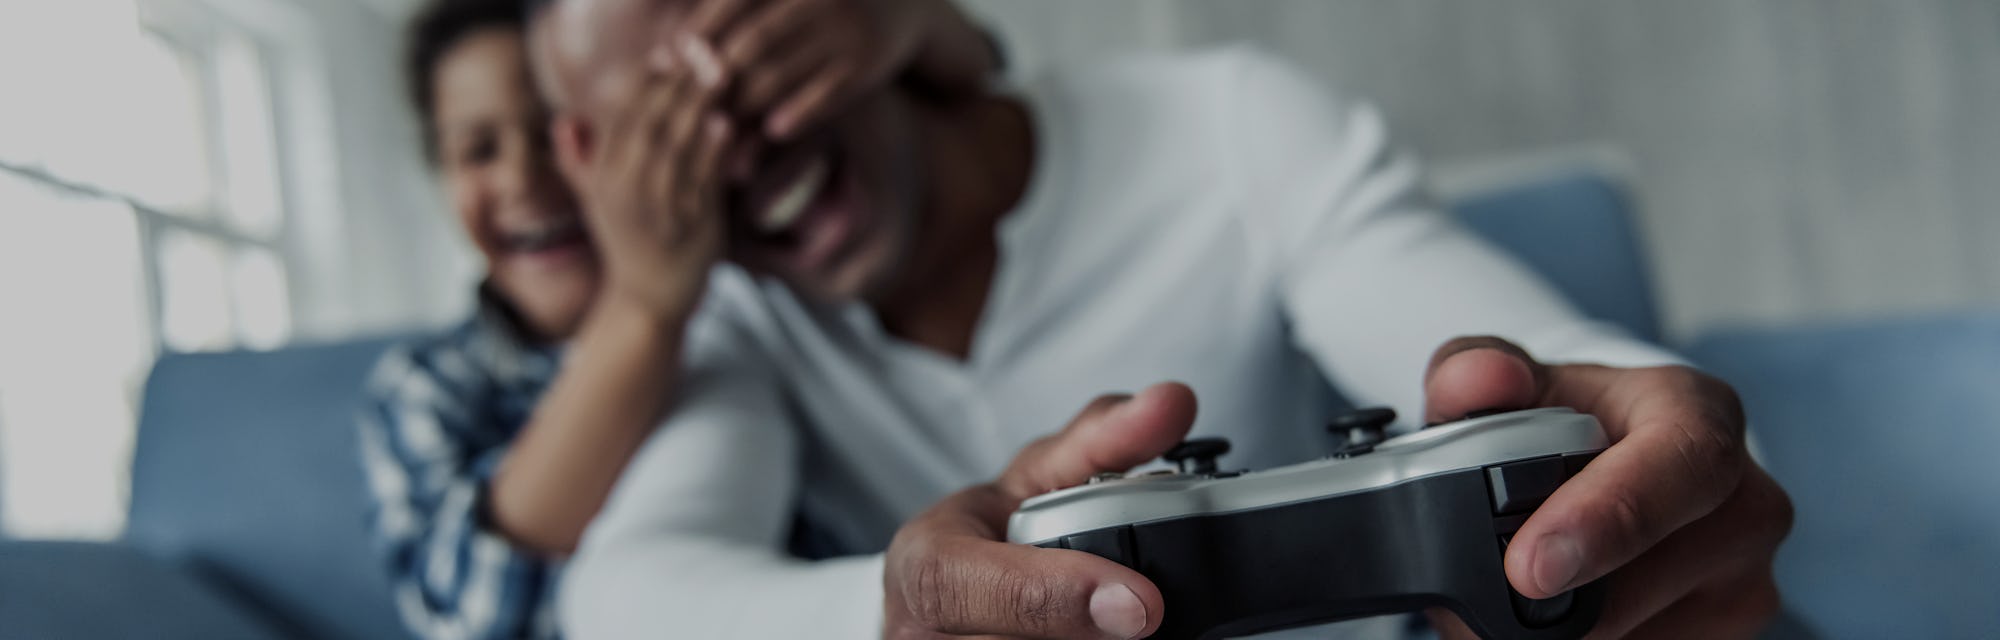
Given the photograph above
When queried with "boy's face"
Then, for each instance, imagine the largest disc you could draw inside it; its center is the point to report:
(831, 214)
(496, 162)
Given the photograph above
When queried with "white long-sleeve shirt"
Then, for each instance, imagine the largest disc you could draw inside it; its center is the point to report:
(1210, 217)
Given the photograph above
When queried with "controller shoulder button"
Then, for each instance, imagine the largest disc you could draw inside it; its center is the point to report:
(1114, 544)
(1519, 487)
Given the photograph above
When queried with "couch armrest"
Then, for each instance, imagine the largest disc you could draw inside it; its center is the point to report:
(1884, 434)
(94, 590)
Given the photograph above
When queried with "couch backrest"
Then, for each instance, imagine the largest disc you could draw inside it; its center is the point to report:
(1579, 231)
(246, 470)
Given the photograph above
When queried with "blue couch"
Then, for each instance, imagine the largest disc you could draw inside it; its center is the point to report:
(246, 517)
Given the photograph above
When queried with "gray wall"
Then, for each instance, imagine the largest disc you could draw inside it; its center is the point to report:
(1797, 160)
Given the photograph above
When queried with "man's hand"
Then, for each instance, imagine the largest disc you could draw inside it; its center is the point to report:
(793, 63)
(651, 185)
(950, 571)
(1675, 512)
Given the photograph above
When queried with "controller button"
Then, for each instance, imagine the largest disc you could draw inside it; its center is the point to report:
(1351, 451)
(1360, 430)
(1537, 613)
(1376, 418)
(1574, 462)
(1541, 613)
(1114, 544)
(1521, 486)
(1198, 456)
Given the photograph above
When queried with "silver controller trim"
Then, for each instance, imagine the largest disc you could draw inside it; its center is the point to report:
(1468, 444)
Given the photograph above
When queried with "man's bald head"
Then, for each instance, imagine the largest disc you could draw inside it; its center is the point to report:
(589, 54)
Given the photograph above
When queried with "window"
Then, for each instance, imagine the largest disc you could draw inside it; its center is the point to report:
(141, 210)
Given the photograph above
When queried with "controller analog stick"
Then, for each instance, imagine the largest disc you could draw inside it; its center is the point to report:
(1198, 456)
(1362, 429)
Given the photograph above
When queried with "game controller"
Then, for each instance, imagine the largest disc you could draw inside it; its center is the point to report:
(1383, 526)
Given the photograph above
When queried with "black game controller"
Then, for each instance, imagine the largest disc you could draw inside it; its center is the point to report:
(1383, 526)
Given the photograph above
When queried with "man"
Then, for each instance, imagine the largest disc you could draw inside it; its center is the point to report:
(948, 280)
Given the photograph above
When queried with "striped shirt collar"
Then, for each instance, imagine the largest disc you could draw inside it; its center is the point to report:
(498, 343)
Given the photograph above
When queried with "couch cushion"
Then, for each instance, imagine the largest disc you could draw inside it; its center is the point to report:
(1886, 435)
(246, 470)
(89, 590)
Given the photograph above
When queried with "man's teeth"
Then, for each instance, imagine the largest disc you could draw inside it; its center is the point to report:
(790, 205)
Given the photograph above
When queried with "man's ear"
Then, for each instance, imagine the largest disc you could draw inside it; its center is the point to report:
(574, 146)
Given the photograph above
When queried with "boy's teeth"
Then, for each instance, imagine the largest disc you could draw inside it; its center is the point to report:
(792, 202)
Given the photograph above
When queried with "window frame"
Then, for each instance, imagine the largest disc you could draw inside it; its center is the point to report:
(295, 99)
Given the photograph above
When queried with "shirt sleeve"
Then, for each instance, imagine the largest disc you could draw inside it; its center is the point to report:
(691, 543)
(1372, 277)
(427, 466)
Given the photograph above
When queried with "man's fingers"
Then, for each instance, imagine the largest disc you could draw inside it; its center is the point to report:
(1738, 608)
(762, 87)
(1480, 374)
(1112, 434)
(952, 576)
(1672, 461)
(765, 32)
(812, 102)
(711, 19)
(1701, 553)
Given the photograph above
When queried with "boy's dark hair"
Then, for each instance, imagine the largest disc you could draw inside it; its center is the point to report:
(439, 26)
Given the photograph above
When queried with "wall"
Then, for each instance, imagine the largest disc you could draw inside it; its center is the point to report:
(1796, 159)
(379, 251)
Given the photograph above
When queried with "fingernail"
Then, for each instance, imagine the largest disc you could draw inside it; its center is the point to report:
(1557, 561)
(707, 69)
(1117, 611)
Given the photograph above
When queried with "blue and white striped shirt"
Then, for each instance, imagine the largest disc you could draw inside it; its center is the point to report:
(441, 414)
